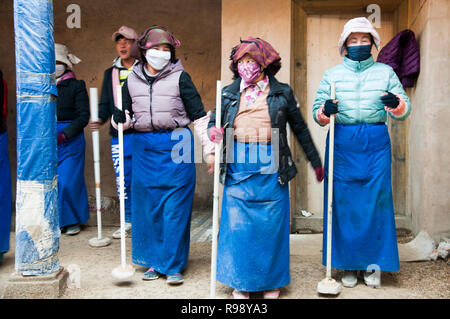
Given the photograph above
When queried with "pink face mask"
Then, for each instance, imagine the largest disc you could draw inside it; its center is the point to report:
(249, 72)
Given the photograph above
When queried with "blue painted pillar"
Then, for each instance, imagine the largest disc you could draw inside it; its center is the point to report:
(37, 224)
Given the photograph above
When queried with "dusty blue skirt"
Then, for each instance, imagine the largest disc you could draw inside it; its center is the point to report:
(163, 186)
(5, 194)
(363, 214)
(253, 246)
(72, 194)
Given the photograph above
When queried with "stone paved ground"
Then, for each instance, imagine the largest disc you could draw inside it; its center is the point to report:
(428, 279)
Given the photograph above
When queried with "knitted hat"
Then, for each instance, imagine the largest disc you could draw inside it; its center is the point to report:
(152, 36)
(360, 24)
(156, 35)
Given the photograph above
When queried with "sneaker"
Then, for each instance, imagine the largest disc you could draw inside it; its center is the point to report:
(150, 274)
(175, 279)
(72, 230)
(350, 278)
(116, 234)
(238, 294)
(372, 279)
(272, 294)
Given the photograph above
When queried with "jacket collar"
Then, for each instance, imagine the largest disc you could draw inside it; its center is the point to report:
(118, 63)
(358, 66)
(261, 85)
(233, 90)
(63, 80)
(275, 86)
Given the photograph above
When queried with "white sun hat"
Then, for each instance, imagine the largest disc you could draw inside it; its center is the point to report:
(360, 24)
(62, 55)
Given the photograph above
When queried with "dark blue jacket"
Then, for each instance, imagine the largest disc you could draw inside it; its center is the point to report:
(282, 110)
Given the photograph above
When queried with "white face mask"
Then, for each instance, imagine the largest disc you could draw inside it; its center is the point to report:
(157, 59)
(59, 70)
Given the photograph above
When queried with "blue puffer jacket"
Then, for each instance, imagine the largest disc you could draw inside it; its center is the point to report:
(358, 89)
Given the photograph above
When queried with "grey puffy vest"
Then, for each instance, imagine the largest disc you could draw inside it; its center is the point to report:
(158, 105)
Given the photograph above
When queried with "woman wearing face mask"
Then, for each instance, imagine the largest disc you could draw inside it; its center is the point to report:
(253, 246)
(160, 101)
(364, 235)
(72, 116)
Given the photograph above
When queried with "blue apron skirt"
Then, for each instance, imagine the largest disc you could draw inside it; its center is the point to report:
(127, 151)
(72, 195)
(253, 245)
(162, 188)
(5, 194)
(363, 213)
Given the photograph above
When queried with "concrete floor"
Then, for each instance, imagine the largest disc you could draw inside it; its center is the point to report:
(415, 280)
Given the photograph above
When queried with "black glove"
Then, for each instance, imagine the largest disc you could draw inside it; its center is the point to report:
(390, 100)
(119, 115)
(330, 108)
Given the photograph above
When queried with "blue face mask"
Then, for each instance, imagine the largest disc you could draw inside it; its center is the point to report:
(359, 52)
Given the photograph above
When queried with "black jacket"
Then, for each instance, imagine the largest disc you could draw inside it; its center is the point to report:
(106, 105)
(282, 110)
(72, 104)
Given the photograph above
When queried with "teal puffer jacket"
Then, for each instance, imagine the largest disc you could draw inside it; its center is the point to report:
(358, 89)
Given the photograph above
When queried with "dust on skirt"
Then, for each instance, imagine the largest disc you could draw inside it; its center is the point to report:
(163, 186)
(5, 194)
(253, 244)
(72, 193)
(363, 232)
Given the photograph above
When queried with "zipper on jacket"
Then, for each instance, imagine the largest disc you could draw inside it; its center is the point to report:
(151, 100)
(359, 95)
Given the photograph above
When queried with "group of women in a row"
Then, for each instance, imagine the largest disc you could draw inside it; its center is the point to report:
(160, 98)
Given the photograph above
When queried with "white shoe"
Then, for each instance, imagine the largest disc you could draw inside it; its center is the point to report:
(350, 278)
(72, 230)
(372, 279)
(271, 294)
(116, 234)
(238, 294)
